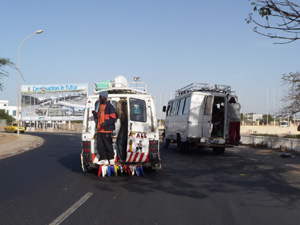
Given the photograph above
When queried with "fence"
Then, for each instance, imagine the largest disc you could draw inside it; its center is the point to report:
(271, 142)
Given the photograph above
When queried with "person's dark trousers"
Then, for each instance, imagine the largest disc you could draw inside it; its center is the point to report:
(234, 136)
(104, 146)
(122, 140)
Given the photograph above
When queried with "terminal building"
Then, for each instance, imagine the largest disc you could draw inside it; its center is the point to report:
(44, 106)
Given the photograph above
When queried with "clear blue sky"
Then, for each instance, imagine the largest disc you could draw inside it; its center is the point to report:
(169, 43)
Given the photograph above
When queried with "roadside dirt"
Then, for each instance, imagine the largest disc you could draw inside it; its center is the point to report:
(5, 138)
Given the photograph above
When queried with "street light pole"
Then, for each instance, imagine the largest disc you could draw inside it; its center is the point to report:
(18, 104)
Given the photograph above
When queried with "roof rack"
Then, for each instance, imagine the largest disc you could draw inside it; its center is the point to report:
(203, 87)
(113, 87)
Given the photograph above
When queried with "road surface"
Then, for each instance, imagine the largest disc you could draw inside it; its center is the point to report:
(244, 186)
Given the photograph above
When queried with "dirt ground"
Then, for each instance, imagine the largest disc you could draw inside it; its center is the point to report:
(6, 137)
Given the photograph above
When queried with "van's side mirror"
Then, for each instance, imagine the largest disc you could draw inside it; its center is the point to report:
(164, 108)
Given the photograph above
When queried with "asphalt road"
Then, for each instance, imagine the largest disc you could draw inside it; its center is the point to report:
(244, 186)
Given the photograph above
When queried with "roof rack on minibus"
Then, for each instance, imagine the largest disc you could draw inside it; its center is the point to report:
(203, 87)
(117, 88)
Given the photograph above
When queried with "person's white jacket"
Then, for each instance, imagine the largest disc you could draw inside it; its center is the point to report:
(234, 114)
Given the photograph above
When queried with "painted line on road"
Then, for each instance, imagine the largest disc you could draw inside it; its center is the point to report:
(69, 211)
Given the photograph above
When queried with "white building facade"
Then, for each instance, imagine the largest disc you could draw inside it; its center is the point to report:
(10, 110)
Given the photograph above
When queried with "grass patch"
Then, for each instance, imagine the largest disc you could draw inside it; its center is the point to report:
(265, 135)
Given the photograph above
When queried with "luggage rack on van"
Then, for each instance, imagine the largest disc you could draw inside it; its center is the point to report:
(203, 87)
(113, 87)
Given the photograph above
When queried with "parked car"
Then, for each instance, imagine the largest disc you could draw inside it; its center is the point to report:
(13, 127)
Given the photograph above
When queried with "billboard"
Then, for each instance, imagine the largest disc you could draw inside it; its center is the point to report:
(55, 102)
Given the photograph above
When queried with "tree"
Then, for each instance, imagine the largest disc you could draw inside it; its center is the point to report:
(277, 16)
(4, 115)
(292, 97)
(3, 73)
(267, 119)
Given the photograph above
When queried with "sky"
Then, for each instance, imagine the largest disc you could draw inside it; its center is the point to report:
(168, 43)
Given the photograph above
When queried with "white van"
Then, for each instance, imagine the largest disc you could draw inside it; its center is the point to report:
(136, 133)
(284, 124)
(197, 117)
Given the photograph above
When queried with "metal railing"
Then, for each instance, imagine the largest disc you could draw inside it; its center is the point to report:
(203, 87)
(113, 87)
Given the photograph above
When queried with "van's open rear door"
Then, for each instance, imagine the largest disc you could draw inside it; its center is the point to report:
(207, 116)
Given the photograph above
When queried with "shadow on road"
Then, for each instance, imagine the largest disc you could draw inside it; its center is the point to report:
(201, 174)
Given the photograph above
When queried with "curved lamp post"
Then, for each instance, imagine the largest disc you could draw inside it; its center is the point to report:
(18, 116)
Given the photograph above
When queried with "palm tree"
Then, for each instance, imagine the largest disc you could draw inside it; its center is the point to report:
(3, 73)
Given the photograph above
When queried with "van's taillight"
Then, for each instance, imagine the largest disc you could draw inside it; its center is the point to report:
(86, 143)
(153, 145)
(87, 120)
(86, 146)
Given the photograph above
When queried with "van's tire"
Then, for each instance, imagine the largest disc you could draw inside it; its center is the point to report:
(149, 169)
(179, 144)
(218, 150)
(182, 146)
(166, 142)
(85, 168)
(88, 170)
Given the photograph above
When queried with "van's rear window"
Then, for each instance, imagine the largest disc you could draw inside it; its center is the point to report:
(138, 110)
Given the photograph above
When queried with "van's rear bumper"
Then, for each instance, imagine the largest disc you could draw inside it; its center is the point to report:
(209, 142)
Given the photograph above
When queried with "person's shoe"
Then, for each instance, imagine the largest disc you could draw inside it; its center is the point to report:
(103, 162)
(112, 162)
(121, 161)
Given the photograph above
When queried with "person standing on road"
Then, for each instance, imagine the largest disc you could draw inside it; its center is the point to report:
(105, 119)
(234, 117)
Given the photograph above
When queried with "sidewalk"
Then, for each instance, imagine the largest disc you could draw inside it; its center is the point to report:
(10, 144)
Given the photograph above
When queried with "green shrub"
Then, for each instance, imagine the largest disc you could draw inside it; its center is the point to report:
(4, 115)
(265, 135)
(297, 136)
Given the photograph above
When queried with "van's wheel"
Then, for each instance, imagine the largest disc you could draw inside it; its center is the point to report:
(166, 142)
(218, 150)
(182, 146)
(88, 170)
(85, 168)
(149, 169)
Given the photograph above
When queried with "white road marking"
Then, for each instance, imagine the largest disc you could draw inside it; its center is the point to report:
(69, 211)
